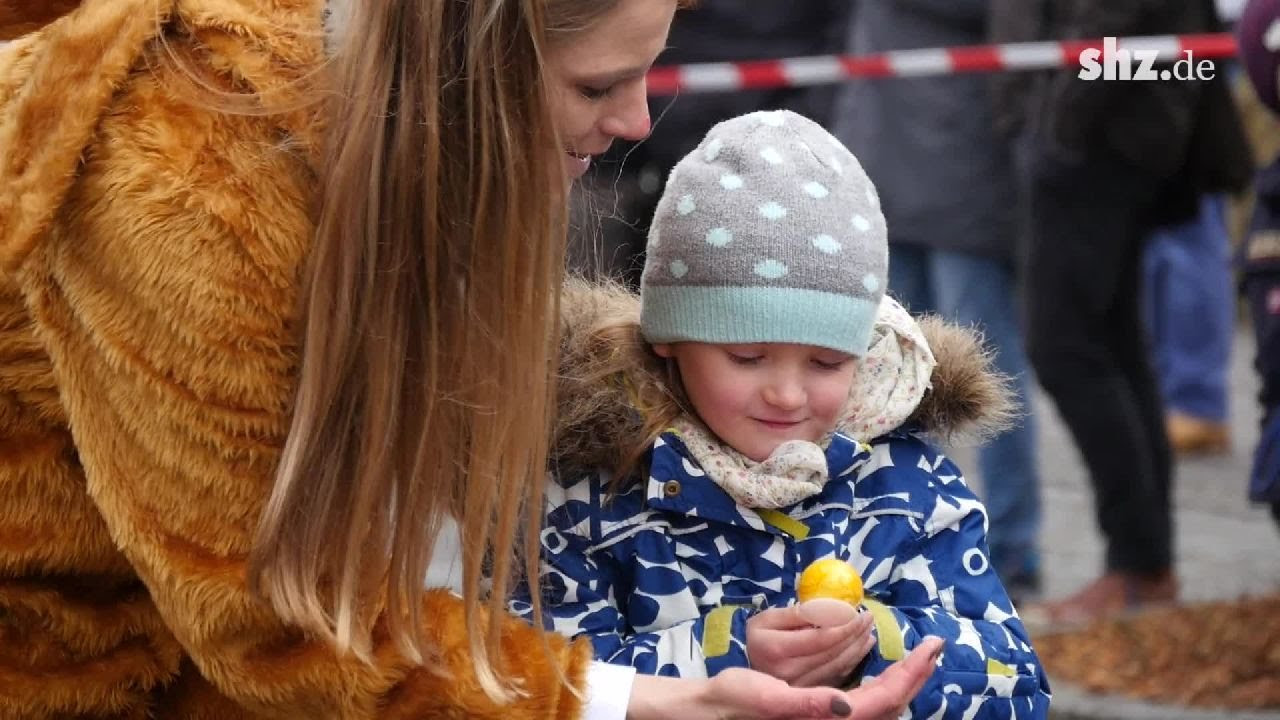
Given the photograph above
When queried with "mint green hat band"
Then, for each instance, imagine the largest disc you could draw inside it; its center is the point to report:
(673, 314)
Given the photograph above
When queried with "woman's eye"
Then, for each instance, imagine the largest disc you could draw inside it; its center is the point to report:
(594, 93)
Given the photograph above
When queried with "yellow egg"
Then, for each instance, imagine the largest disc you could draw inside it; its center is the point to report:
(830, 578)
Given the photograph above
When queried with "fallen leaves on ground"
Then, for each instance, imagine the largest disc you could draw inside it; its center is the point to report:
(1221, 655)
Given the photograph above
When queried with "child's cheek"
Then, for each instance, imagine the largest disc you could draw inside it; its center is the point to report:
(835, 395)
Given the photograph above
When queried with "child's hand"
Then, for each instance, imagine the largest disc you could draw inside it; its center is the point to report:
(783, 644)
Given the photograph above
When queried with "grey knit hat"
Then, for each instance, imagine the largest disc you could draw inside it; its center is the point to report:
(769, 231)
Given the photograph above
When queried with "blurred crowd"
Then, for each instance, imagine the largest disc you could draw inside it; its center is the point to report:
(1101, 234)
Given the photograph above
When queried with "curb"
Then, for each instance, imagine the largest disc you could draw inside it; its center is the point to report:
(1070, 703)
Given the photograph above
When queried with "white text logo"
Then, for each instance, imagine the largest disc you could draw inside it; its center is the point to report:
(1119, 64)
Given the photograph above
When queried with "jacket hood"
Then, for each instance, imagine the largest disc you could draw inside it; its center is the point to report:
(604, 360)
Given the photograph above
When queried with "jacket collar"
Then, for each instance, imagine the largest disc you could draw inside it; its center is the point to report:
(677, 484)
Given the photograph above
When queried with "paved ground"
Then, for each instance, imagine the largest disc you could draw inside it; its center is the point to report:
(1226, 547)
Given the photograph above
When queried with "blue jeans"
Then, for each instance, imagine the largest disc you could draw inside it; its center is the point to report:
(1189, 306)
(978, 291)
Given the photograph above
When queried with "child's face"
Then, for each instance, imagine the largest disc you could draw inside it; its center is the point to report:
(755, 397)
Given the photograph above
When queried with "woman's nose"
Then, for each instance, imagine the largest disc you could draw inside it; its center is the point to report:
(628, 119)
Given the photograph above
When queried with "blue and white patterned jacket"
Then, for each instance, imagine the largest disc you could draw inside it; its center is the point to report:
(664, 575)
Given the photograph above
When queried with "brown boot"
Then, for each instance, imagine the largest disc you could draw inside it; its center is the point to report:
(1113, 594)
(1190, 435)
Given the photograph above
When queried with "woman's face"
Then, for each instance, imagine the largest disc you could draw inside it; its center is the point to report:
(598, 79)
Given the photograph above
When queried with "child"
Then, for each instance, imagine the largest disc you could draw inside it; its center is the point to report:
(762, 296)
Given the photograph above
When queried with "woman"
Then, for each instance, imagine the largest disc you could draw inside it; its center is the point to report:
(187, 457)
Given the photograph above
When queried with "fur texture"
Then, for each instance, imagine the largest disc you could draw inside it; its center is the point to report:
(604, 361)
(19, 17)
(150, 249)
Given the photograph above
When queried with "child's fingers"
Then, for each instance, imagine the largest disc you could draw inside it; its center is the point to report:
(823, 668)
(794, 652)
(782, 618)
(833, 670)
(818, 641)
(826, 612)
(867, 645)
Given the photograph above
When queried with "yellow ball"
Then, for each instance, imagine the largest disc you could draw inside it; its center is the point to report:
(830, 578)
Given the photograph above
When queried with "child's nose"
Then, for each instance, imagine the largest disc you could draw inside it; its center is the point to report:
(785, 394)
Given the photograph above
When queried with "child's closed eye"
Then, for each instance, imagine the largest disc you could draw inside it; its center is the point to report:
(830, 363)
(744, 354)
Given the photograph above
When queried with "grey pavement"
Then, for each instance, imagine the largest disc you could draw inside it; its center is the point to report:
(1226, 547)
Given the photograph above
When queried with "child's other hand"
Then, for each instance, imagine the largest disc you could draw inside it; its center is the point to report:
(782, 643)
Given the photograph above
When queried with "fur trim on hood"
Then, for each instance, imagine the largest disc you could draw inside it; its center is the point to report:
(604, 364)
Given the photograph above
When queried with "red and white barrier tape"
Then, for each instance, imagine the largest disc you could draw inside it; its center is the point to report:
(824, 69)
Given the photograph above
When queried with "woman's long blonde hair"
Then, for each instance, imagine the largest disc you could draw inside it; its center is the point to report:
(429, 322)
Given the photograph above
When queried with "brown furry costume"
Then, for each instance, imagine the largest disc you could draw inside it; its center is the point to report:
(19, 17)
(147, 291)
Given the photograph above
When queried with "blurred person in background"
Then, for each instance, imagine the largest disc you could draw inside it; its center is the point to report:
(1190, 313)
(1104, 164)
(946, 179)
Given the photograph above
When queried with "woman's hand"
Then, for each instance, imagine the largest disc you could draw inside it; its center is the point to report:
(740, 694)
(783, 643)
